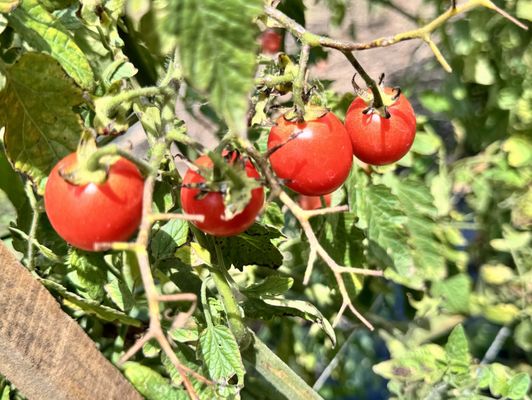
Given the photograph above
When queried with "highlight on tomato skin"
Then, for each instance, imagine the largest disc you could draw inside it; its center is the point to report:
(318, 160)
(377, 140)
(84, 215)
(212, 207)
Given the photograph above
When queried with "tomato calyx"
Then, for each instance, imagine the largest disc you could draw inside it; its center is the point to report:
(227, 175)
(367, 95)
(91, 166)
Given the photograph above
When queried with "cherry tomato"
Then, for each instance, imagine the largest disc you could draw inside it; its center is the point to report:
(271, 41)
(377, 140)
(318, 160)
(313, 202)
(212, 206)
(87, 214)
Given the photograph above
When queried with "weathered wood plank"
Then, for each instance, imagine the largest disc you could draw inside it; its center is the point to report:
(43, 351)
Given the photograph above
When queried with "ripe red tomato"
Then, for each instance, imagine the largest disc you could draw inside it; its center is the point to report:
(212, 206)
(313, 202)
(87, 214)
(318, 160)
(271, 41)
(377, 140)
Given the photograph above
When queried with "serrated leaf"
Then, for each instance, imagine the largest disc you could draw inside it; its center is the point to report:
(90, 307)
(36, 110)
(518, 386)
(168, 238)
(150, 384)
(217, 44)
(498, 379)
(89, 273)
(252, 247)
(454, 292)
(45, 33)
(272, 285)
(381, 211)
(457, 350)
(118, 291)
(6, 6)
(269, 306)
(183, 335)
(221, 354)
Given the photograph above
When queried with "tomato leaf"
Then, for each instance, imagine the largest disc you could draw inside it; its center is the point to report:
(6, 6)
(217, 44)
(168, 238)
(36, 110)
(45, 33)
(272, 285)
(219, 350)
(90, 307)
(151, 384)
(252, 247)
(457, 350)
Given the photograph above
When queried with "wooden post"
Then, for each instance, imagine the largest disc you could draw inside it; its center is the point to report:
(45, 353)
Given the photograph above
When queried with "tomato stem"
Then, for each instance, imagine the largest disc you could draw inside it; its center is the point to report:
(94, 162)
(299, 82)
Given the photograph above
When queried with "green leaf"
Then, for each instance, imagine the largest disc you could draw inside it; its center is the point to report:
(426, 144)
(90, 307)
(457, 350)
(220, 352)
(45, 251)
(168, 238)
(498, 379)
(90, 273)
(118, 291)
(217, 44)
(380, 211)
(150, 384)
(36, 110)
(183, 335)
(524, 10)
(523, 335)
(496, 274)
(252, 247)
(6, 6)
(455, 292)
(269, 306)
(434, 102)
(519, 151)
(11, 183)
(272, 285)
(518, 386)
(45, 33)
(342, 239)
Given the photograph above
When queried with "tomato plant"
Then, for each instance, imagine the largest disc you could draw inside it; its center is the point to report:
(378, 140)
(211, 204)
(87, 214)
(314, 157)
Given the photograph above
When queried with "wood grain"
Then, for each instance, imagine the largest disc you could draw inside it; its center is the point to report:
(43, 351)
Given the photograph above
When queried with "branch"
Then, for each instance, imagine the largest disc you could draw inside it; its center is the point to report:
(316, 249)
(422, 33)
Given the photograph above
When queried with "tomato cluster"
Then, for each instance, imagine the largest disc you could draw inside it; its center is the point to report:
(312, 157)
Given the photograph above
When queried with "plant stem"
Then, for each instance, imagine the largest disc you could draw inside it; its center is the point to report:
(298, 85)
(232, 310)
(94, 161)
(377, 98)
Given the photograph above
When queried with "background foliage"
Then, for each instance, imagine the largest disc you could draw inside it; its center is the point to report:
(450, 223)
